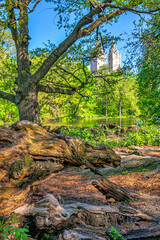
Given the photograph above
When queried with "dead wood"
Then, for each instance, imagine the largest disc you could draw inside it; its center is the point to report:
(150, 232)
(83, 232)
(115, 191)
(50, 214)
(25, 137)
(97, 233)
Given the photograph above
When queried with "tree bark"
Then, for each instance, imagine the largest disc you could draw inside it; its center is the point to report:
(115, 191)
(58, 215)
(28, 105)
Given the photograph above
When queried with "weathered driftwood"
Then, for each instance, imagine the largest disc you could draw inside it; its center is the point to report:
(49, 213)
(83, 232)
(115, 191)
(89, 233)
(150, 232)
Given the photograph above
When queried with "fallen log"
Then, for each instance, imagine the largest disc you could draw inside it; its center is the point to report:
(87, 232)
(117, 192)
(25, 137)
(82, 232)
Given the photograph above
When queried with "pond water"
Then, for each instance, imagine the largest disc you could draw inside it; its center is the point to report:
(123, 122)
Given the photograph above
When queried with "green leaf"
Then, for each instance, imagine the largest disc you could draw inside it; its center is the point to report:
(4, 235)
(7, 229)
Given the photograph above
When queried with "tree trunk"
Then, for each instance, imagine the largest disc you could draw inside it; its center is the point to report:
(27, 102)
(29, 109)
(120, 107)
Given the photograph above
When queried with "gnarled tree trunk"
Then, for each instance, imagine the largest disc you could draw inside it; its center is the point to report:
(28, 104)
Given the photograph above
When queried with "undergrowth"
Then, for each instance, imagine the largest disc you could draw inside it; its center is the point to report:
(7, 231)
(146, 136)
(114, 234)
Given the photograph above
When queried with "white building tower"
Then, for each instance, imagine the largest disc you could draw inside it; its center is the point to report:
(114, 58)
(99, 60)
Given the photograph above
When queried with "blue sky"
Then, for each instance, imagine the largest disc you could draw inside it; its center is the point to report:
(42, 27)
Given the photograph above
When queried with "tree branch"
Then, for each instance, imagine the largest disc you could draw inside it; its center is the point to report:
(104, 18)
(35, 5)
(13, 26)
(54, 89)
(7, 96)
(70, 73)
(2, 5)
(132, 9)
(78, 32)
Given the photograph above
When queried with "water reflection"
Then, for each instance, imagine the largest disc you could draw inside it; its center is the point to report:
(122, 122)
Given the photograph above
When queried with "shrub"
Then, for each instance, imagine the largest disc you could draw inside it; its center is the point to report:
(9, 232)
(115, 235)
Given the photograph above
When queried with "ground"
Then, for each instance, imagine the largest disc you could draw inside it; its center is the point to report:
(75, 185)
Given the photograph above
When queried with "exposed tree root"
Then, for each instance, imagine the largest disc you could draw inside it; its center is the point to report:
(48, 211)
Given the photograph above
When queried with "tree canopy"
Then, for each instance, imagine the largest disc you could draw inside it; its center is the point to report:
(149, 69)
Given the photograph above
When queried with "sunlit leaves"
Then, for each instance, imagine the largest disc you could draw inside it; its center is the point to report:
(149, 69)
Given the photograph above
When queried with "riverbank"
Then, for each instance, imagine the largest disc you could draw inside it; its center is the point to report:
(114, 136)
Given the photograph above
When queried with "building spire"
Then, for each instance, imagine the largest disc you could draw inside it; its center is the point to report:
(114, 58)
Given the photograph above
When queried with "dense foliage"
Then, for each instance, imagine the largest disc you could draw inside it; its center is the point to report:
(149, 69)
(8, 111)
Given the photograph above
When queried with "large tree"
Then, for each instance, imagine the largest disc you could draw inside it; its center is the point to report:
(15, 16)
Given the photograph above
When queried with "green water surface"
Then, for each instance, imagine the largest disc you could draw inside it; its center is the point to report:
(123, 122)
